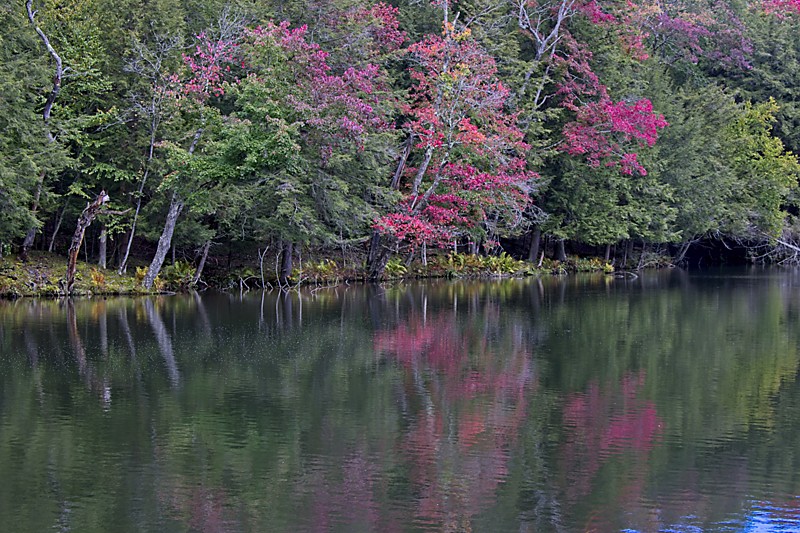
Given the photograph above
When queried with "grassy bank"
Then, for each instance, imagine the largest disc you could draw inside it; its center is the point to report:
(43, 273)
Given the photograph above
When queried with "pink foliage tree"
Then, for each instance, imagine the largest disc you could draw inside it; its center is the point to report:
(470, 150)
(782, 8)
(335, 107)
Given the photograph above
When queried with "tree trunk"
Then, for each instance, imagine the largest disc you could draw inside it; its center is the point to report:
(628, 253)
(374, 248)
(102, 255)
(58, 227)
(84, 221)
(123, 264)
(286, 263)
(561, 253)
(536, 239)
(375, 241)
(199, 271)
(641, 257)
(684, 249)
(27, 243)
(164, 242)
(607, 256)
(380, 257)
(48, 107)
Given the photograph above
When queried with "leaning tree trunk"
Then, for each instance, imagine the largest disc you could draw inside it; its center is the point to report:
(84, 221)
(375, 254)
(48, 107)
(164, 242)
(199, 271)
(58, 227)
(684, 248)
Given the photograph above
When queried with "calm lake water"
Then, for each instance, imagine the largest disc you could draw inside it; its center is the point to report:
(666, 403)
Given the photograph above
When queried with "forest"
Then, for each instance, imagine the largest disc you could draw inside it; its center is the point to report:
(282, 140)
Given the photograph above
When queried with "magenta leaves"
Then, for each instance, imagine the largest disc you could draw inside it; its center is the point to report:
(782, 8)
(208, 65)
(336, 107)
(472, 168)
(602, 129)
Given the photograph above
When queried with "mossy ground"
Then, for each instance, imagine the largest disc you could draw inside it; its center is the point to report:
(43, 273)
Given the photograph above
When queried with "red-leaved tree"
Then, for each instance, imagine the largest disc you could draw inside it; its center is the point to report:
(468, 173)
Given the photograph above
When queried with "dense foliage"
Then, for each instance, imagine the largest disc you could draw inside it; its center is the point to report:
(372, 130)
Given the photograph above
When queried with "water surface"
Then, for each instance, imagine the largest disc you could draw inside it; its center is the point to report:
(666, 403)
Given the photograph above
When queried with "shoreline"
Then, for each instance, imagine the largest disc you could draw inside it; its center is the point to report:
(42, 275)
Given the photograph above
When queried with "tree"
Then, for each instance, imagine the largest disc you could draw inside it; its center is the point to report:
(206, 70)
(58, 73)
(25, 150)
(470, 175)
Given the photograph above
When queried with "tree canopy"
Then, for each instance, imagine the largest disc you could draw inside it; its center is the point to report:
(394, 128)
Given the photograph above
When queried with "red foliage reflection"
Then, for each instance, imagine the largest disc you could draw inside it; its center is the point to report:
(472, 405)
(601, 423)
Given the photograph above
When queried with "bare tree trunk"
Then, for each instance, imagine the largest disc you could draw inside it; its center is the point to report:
(628, 253)
(123, 265)
(84, 221)
(102, 255)
(149, 64)
(48, 107)
(607, 255)
(375, 241)
(536, 239)
(58, 227)
(286, 263)
(374, 249)
(164, 242)
(202, 264)
(561, 253)
(684, 249)
(641, 257)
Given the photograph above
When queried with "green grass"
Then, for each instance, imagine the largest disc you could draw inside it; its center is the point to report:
(42, 274)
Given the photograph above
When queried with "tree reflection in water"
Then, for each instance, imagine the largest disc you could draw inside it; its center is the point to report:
(471, 404)
(552, 405)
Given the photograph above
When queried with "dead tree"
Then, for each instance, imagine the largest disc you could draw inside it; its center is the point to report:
(84, 221)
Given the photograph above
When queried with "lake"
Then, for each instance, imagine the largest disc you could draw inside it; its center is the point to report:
(670, 402)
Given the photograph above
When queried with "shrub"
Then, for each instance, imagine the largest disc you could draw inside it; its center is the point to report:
(395, 268)
(591, 264)
(98, 279)
(502, 264)
(141, 272)
(324, 269)
(178, 276)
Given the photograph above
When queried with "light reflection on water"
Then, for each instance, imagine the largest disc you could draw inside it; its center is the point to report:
(667, 403)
